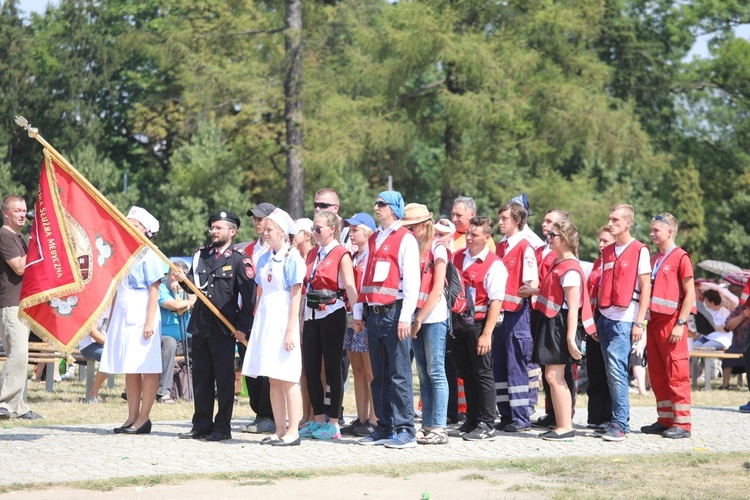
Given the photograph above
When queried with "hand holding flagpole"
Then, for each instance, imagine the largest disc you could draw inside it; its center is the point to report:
(34, 134)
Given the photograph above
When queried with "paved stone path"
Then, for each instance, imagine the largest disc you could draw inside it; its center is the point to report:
(71, 453)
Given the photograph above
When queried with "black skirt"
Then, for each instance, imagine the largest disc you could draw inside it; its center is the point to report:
(550, 339)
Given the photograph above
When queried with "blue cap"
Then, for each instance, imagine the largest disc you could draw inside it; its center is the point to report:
(362, 219)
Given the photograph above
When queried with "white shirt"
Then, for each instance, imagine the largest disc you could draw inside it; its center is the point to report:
(720, 318)
(629, 314)
(258, 250)
(408, 265)
(322, 252)
(571, 278)
(440, 312)
(495, 279)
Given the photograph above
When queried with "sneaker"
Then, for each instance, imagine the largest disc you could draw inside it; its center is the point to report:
(404, 439)
(503, 423)
(91, 401)
(483, 432)
(601, 430)
(260, 426)
(554, 436)
(463, 429)
(745, 408)
(517, 428)
(309, 428)
(376, 439)
(364, 430)
(326, 432)
(676, 433)
(348, 430)
(655, 428)
(615, 433)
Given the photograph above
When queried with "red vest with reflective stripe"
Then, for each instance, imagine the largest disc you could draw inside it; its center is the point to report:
(745, 297)
(619, 275)
(427, 276)
(593, 282)
(514, 262)
(473, 276)
(545, 263)
(327, 273)
(666, 287)
(386, 292)
(552, 295)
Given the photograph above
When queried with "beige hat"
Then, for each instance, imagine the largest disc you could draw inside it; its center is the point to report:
(445, 226)
(414, 213)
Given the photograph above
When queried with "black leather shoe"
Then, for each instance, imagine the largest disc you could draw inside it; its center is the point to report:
(516, 428)
(281, 442)
(121, 429)
(269, 439)
(217, 436)
(144, 429)
(503, 423)
(676, 433)
(192, 435)
(546, 422)
(655, 428)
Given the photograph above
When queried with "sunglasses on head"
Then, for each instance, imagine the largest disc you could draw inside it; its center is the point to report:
(381, 204)
(319, 204)
(551, 235)
(660, 218)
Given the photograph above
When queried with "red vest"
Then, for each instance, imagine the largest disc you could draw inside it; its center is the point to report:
(619, 275)
(514, 262)
(473, 276)
(427, 276)
(745, 297)
(552, 295)
(593, 282)
(327, 273)
(359, 269)
(545, 263)
(666, 287)
(385, 292)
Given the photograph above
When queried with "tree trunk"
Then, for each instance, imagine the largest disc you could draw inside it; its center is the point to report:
(452, 139)
(295, 176)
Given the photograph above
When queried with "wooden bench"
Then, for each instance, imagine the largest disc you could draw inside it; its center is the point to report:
(698, 353)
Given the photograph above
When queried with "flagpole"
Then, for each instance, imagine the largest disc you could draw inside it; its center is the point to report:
(34, 134)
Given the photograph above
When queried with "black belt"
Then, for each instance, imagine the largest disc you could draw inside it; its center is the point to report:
(383, 309)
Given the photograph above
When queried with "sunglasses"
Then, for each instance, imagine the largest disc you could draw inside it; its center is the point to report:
(660, 218)
(381, 204)
(318, 204)
(318, 229)
(551, 235)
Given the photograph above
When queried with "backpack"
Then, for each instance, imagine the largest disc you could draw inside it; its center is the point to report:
(460, 304)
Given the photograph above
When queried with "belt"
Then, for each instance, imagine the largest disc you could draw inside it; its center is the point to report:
(383, 309)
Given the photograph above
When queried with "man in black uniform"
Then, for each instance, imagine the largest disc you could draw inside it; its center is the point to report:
(223, 274)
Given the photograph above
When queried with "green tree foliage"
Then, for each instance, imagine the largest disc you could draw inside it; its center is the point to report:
(581, 104)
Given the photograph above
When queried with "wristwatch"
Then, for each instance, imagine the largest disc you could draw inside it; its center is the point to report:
(639, 324)
(681, 322)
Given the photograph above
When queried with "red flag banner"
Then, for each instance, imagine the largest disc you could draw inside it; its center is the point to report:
(79, 251)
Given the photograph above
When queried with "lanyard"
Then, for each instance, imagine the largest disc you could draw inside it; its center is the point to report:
(659, 264)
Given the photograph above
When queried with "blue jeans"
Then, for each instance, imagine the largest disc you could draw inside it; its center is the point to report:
(429, 351)
(615, 340)
(392, 392)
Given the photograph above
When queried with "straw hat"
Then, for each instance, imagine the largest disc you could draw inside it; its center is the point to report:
(414, 213)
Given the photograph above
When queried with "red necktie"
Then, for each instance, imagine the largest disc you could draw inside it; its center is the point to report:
(503, 248)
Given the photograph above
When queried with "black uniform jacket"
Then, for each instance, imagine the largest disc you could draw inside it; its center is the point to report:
(223, 280)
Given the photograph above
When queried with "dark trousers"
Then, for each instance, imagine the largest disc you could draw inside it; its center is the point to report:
(213, 361)
(476, 371)
(451, 373)
(324, 339)
(570, 380)
(511, 353)
(258, 389)
(600, 402)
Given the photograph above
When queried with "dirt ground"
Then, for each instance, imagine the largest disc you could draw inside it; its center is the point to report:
(435, 486)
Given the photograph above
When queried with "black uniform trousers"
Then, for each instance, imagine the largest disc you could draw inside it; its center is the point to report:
(600, 401)
(476, 372)
(258, 389)
(213, 357)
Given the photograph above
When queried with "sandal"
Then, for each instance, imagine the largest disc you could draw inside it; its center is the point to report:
(435, 436)
(421, 433)
(167, 400)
